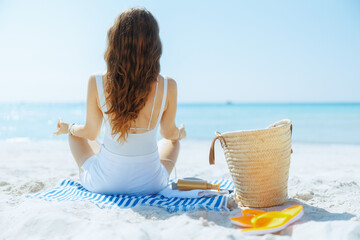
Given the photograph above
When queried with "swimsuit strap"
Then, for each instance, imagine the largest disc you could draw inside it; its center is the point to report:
(101, 94)
(100, 89)
(163, 101)
(152, 110)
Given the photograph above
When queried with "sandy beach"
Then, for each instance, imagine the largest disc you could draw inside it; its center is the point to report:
(130, 66)
(323, 178)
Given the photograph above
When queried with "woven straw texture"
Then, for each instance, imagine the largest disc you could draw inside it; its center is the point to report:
(259, 162)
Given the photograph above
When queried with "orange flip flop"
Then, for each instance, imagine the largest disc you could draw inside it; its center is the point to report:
(245, 219)
(268, 222)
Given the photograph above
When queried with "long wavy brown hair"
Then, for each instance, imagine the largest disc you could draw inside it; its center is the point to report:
(133, 64)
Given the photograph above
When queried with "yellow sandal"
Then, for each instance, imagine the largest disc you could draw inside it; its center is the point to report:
(260, 222)
(245, 219)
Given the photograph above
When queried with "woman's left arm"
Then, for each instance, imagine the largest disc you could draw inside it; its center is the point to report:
(91, 129)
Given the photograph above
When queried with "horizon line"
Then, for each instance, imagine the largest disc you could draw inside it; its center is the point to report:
(195, 102)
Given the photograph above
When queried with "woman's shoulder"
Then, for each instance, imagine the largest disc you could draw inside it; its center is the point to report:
(94, 77)
(172, 85)
(92, 86)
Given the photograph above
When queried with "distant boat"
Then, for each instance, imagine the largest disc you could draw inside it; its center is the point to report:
(229, 103)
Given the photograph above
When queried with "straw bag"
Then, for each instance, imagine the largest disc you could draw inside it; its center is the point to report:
(259, 162)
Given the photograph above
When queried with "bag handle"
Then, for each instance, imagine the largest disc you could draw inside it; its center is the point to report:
(282, 122)
(212, 149)
(291, 152)
(218, 136)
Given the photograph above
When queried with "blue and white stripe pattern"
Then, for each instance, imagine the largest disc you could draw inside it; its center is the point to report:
(73, 191)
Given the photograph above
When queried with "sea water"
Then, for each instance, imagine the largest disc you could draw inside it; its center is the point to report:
(312, 123)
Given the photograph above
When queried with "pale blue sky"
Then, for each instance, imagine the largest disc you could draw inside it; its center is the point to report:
(241, 51)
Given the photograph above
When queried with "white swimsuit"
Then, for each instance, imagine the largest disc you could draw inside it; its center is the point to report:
(132, 167)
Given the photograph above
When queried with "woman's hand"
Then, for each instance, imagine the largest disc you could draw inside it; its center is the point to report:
(182, 132)
(62, 127)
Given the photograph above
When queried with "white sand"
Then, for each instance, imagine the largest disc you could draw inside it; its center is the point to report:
(325, 179)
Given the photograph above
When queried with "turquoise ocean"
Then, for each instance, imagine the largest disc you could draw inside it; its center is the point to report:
(323, 123)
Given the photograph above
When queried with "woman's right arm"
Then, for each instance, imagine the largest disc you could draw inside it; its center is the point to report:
(94, 116)
(168, 127)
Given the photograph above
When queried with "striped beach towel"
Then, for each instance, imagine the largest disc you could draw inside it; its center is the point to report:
(69, 190)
